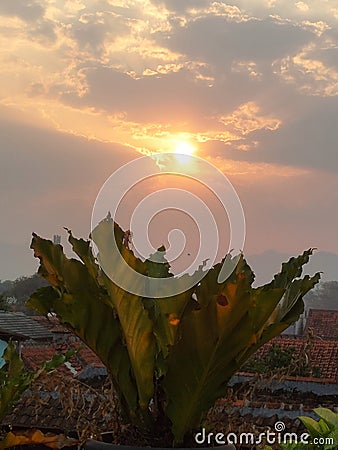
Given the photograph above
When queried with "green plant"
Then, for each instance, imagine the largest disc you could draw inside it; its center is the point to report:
(169, 358)
(14, 380)
(326, 427)
(275, 358)
(283, 359)
(323, 434)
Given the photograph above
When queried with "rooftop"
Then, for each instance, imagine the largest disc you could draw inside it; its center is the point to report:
(22, 327)
(324, 323)
(52, 324)
(34, 355)
(321, 353)
(261, 408)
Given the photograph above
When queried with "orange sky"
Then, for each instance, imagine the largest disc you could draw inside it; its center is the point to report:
(88, 86)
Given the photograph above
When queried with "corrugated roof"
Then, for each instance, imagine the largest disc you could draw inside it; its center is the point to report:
(21, 326)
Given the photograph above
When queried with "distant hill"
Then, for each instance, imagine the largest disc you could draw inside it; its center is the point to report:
(323, 296)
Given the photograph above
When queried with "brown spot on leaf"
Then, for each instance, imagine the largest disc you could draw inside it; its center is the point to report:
(222, 300)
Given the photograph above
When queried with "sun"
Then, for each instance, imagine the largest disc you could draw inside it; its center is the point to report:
(184, 148)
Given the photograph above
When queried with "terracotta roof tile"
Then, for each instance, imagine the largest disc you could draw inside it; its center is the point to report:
(88, 357)
(51, 323)
(34, 355)
(324, 323)
(322, 354)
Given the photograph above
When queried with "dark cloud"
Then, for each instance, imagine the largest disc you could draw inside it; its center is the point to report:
(26, 10)
(39, 28)
(216, 40)
(307, 135)
(306, 138)
(166, 98)
(328, 56)
(179, 5)
(43, 30)
(90, 36)
(92, 30)
(309, 140)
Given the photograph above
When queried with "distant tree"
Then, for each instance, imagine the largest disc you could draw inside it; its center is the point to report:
(3, 303)
(23, 287)
(14, 294)
(324, 296)
(6, 286)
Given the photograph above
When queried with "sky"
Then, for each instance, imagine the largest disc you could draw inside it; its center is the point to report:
(87, 86)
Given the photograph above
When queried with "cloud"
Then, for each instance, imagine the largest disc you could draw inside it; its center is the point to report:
(27, 11)
(179, 6)
(307, 142)
(231, 41)
(20, 18)
(308, 71)
(228, 77)
(92, 31)
(304, 7)
(44, 169)
(174, 94)
(247, 119)
(87, 86)
(51, 180)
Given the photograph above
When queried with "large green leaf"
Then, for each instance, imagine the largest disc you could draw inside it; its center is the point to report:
(14, 379)
(314, 428)
(214, 340)
(83, 306)
(328, 416)
(166, 313)
(196, 373)
(137, 328)
(114, 323)
(83, 250)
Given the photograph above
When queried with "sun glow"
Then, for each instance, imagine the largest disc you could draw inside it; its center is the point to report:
(184, 148)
